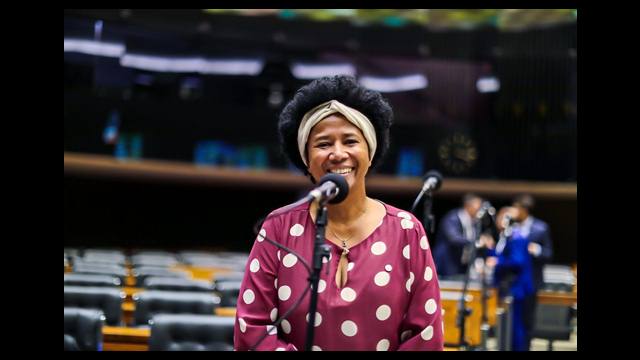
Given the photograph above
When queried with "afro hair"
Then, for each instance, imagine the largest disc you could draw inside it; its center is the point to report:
(346, 90)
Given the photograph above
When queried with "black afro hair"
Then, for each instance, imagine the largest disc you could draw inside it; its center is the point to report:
(346, 90)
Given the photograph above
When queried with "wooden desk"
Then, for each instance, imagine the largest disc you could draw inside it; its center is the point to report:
(450, 302)
(476, 293)
(116, 338)
(558, 298)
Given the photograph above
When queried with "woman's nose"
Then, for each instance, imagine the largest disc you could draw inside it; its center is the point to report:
(338, 154)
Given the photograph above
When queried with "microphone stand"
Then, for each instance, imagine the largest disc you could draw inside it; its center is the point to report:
(320, 251)
(429, 222)
(463, 310)
(484, 322)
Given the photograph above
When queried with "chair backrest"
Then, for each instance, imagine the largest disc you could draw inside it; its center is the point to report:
(229, 291)
(152, 302)
(113, 270)
(83, 329)
(558, 278)
(141, 273)
(154, 260)
(177, 284)
(109, 300)
(186, 332)
(552, 322)
(91, 280)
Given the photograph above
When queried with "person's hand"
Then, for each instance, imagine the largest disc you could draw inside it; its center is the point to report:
(492, 261)
(534, 249)
(487, 241)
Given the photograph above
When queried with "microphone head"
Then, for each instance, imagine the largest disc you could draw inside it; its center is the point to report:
(435, 175)
(341, 184)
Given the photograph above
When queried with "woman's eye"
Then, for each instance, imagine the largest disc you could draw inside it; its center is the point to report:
(322, 145)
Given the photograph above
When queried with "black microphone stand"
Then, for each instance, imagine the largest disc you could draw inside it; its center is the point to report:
(320, 251)
(429, 222)
(463, 310)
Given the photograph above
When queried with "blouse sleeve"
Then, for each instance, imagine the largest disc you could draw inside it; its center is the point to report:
(257, 307)
(423, 327)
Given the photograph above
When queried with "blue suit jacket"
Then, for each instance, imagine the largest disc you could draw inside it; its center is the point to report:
(539, 234)
(450, 242)
(514, 269)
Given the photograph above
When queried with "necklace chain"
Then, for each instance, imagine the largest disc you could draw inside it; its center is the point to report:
(345, 249)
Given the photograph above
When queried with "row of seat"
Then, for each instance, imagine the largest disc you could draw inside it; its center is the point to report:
(169, 332)
(163, 299)
(157, 258)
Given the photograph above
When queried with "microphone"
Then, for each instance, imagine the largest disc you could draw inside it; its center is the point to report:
(332, 188)
(507, 221)
(485, 208)
(432, 181)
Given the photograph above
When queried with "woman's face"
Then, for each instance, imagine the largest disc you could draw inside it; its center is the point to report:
(337, 146)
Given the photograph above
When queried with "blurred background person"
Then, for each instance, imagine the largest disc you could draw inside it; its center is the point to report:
(537, 232)
(457, 229)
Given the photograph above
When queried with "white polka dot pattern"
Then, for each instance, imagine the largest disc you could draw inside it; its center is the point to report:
(404, 215)
(383, 345)
(284, 293)
(286, 326)
(289, 260)
(348, 294)
(272, 330)
(254, 266)
(383, 312)
(388, 267)
(243, 325)
(428, 273)
(318, 319)
(350, 266)
(296, 230)
(274, 314)
(406, 224)
(427, 333)
(321, 286)
(424, 244)
(261, 235)
(382, 278)
(248, 296)
(406, 252)
(410, 281)
(430, 306)
(378, 248)
(316, 348)
(349, 328)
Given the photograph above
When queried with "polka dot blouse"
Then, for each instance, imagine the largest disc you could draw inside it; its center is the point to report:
(391, 300)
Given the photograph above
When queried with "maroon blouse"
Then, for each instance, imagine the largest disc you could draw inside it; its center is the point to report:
(391, 300)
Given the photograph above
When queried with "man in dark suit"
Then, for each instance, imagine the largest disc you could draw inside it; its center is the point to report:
(457, 229)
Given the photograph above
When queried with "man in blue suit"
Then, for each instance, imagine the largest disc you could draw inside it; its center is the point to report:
(539, 247)
(457, 229)
(537, 232)
(518, 271)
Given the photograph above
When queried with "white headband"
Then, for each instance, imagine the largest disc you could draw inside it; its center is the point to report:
(318, 113)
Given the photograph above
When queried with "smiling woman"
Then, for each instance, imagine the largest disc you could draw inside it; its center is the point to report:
(334, 125)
